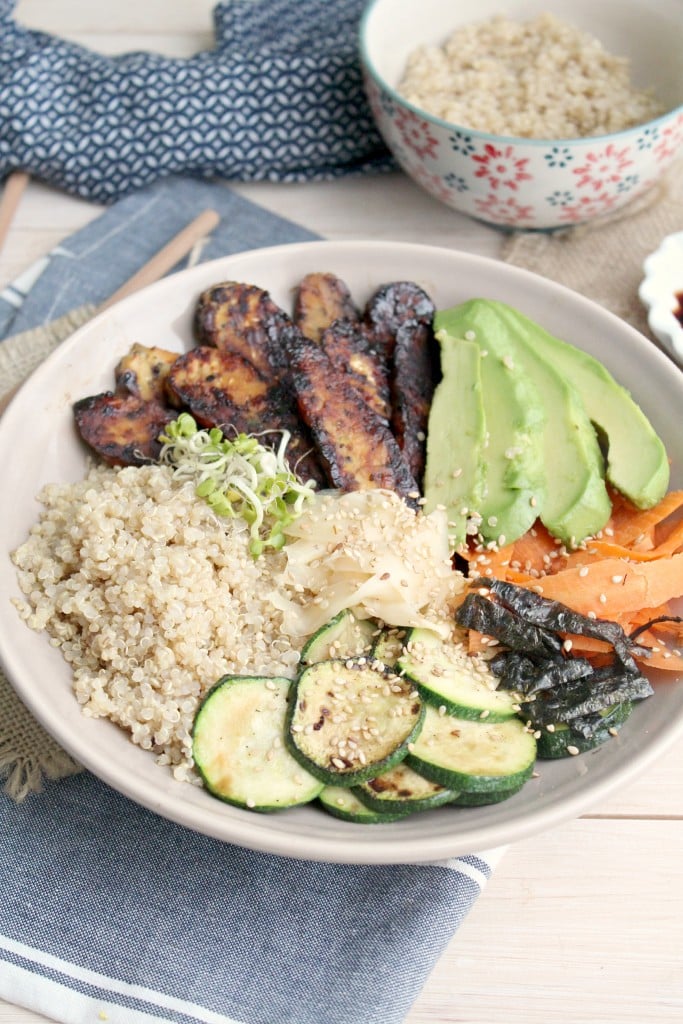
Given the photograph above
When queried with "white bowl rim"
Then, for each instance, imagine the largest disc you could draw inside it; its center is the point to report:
(254, 831)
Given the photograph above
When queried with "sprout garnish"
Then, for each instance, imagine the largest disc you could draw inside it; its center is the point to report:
(238, 477)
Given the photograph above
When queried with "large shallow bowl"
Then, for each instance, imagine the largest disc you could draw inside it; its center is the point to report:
(40, 444)
(528, 183)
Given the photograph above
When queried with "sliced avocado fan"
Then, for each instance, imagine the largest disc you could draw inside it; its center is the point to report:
(568, 493)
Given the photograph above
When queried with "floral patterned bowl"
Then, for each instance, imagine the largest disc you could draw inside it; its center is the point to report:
(517, 182)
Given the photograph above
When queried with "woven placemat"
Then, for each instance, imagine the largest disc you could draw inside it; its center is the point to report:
(603, 259)
(28, 754)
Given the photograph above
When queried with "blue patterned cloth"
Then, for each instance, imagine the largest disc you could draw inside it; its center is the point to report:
(279, 98)
(109, 912)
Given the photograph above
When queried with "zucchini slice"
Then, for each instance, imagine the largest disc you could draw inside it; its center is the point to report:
(343, 803)
(351, 720)
(494, 796)
(238, 748)
(447, 676)
(344, 636)
(564, 742)
(389, 646)
(474, 757)
(403, 789)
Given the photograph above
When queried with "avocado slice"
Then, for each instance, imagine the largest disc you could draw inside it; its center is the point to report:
(455, 470)
(512, 453)
(568, 492)
(637, 463)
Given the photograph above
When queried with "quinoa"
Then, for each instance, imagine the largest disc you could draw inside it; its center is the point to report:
(538, 79)
(151, 599)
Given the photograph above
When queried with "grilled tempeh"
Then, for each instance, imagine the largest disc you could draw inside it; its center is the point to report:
(347, 346)
(392, 305)
(413, 380)
(143, 371)
(242, 318)
(355, 445)
(122, 429)
(320, 300)
(223, 389)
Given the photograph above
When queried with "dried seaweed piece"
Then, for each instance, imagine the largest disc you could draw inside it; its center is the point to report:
(554, 687)
(520, 673)
(480, 613)
(552, 615)
(580, 698)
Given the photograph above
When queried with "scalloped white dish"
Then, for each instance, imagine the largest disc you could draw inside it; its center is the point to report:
(37, 431)
(661, 292)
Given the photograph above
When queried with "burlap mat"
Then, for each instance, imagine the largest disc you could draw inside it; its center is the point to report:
(602, 261)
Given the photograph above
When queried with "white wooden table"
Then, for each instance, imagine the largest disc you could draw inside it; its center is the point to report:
(583, 924)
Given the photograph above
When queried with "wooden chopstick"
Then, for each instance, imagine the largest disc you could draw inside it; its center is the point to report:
(167, 257)
(9, 200)
(153, 270)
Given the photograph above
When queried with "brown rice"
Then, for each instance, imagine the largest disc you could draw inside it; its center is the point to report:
(539, 79)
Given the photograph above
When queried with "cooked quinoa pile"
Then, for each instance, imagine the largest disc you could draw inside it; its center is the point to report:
(151, 599)
(538, 79)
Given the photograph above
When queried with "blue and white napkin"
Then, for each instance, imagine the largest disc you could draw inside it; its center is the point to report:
(111, 913)
(279, 97)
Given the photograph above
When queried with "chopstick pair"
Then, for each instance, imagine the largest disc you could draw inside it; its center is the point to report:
(164, 260)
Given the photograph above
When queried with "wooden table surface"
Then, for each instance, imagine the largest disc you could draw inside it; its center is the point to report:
(583, 924)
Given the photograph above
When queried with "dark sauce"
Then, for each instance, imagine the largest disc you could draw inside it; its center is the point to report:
(678, 311)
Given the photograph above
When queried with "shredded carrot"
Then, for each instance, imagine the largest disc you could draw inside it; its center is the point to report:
(629, 574)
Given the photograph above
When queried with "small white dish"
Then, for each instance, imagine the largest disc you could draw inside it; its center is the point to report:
(37, 434)
(661, 292)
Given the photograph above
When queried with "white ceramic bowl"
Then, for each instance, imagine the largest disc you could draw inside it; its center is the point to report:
(528, 183)
(661, 292)
(38, 436)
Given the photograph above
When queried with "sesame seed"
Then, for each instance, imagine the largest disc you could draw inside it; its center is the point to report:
(617, 579)
(573, 750)
(583, 571)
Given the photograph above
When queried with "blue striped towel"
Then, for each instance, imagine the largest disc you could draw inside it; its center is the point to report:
(279, 97)
(111, 913)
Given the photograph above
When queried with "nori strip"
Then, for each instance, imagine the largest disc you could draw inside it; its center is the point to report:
(517, 672)
(552, 615)
(554, 686)
(506, 625)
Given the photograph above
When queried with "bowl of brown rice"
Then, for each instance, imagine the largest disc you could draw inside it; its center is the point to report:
(548, 115)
